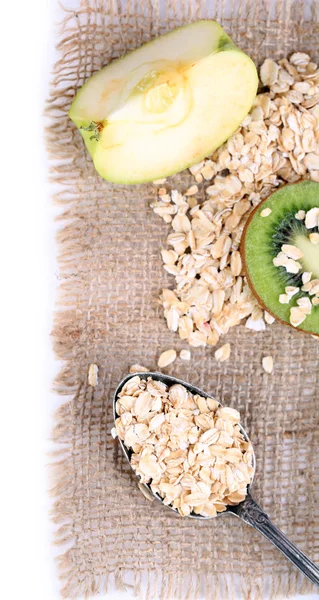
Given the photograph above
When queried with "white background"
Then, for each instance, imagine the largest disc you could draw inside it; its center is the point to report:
(28, 279)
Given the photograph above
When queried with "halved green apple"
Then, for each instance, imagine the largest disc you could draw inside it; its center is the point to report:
(166, 105)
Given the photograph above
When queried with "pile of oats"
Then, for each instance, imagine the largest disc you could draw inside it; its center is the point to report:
(277, 143)
(188, 448)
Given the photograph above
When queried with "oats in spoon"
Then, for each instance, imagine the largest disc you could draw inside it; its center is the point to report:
(188, 448)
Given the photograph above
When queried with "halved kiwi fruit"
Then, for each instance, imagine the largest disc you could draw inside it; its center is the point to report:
(262, 240)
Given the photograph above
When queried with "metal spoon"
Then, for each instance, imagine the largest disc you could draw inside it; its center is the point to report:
(248, 510)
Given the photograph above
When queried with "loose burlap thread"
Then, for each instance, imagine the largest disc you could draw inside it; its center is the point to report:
(110, 276)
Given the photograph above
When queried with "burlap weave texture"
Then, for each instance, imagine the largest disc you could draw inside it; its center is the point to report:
(110, 275)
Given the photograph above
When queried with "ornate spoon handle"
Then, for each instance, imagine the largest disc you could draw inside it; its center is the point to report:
(251, 513)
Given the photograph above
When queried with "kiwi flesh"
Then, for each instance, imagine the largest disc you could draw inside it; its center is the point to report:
(262, 241)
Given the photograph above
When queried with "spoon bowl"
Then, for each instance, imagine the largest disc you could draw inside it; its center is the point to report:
(248, 510)
(169, 381)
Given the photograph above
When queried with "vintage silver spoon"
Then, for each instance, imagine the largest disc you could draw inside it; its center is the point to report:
(248, 510)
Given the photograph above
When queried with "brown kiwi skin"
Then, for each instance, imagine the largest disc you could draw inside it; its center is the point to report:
(245, 270)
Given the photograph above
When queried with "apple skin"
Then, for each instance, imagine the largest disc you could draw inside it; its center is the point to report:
(172, 160)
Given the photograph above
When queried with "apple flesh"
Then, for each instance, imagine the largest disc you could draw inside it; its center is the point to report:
(166, 105)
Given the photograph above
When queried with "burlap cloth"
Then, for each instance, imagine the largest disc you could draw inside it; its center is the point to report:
(110, 275)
